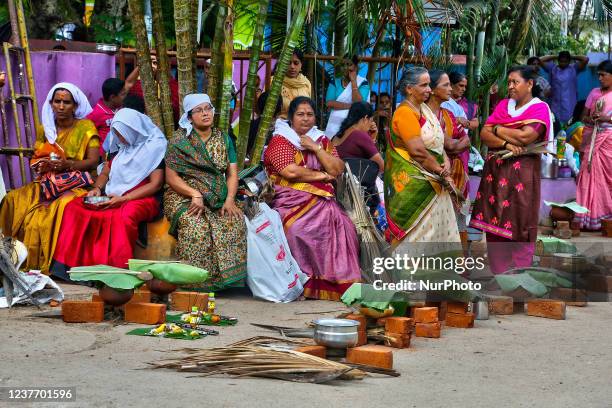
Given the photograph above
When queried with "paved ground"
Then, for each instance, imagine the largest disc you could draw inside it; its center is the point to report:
(507, 361)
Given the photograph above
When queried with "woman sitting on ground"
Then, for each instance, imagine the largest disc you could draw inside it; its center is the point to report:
(106, 233)
(357, 135)
(202, 176)
(302, 163)
(67, 147)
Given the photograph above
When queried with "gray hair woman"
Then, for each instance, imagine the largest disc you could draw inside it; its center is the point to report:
(418, 210)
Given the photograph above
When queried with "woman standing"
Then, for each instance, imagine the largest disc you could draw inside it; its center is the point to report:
(343, 92)
(302, 164)
(295, 83)
(418, 210)
(106, 235)
(594, 189)
(456, 142)
(508, 199)
(200, 204)
(67, 147)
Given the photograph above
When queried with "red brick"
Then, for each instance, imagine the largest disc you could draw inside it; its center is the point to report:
(359, 318)
(442, 308)
(372, 355)
(380, 322)
(426, 314)
(599, 283)
(184, 301)
(397, 340)
(428, 329)
(363, 338)
(402, 325)
(145, 313)
(317, 351)
(550, 309)
(501, 305)
(571, 297)
(464, 321)
(95, 297)
(82, 311)
(457, 307)
(141, 296)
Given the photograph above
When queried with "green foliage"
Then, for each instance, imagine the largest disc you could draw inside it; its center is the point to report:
(110, 29)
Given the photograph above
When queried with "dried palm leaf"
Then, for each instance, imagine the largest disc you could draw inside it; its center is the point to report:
(534, 148)
(250, 361)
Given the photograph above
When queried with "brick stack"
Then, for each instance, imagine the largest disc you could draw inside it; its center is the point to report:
(457, 315)
(501, 305)
(426, 322)
(145, 313)
(398, 331)
(184, 301)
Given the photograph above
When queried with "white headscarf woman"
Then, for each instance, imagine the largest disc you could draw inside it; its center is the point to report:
(190, 102)
(140, 152)
(83, 108)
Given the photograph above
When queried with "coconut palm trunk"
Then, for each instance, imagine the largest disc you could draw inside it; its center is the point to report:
(249, 98)
(164, 68)
(149, 85)
(228, 68)
(216, 63)
(184, 47)
(519, 31)
(291, 41)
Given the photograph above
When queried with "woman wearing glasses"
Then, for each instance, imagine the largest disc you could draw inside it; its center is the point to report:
(200, 204)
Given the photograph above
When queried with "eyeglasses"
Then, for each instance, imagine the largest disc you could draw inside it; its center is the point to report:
(207, 110)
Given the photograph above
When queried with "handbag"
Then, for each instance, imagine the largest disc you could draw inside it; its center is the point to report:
(53, 185)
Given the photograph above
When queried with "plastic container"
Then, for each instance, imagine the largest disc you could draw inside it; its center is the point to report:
(211, 303)
(561, 137)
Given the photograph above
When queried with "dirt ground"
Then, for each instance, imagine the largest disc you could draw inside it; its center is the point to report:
(507, 361)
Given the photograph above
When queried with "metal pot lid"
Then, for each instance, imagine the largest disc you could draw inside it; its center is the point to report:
(336, 322)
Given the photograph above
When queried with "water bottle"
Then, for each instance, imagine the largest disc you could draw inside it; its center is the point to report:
(561, 137)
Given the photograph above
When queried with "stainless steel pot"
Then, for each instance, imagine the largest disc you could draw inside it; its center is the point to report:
(336, 333)
(550, 170)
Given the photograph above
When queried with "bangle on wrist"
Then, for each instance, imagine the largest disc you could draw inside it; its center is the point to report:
(494, 129)
(505, 144)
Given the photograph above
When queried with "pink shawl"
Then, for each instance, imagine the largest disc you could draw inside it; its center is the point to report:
(534, 112)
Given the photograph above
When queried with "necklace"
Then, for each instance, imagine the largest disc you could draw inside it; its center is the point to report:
(413, 107)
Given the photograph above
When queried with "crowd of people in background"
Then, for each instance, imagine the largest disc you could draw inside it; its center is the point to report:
(419, 150)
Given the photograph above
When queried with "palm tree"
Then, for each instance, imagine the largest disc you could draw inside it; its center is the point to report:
(149, 85)
(247, 106)
(184, 47)
(303, 8)
(228, 67)
(164, 68)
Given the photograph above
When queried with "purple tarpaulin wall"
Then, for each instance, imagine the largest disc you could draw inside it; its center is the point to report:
(556, 190)
(85, 70)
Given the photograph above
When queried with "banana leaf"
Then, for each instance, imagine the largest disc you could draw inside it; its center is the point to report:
(552, 245)
(115, 281)
(366, 296)
(175, 273)
(509, 283)
(550, 279)
(146, 331)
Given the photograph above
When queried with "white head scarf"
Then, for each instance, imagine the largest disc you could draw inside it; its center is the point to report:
(282, 128)
(145, 149)
(48, 118)
(190, 102)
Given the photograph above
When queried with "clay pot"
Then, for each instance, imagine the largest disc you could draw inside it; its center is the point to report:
(160, 287)
(561, 214)
(115, 297)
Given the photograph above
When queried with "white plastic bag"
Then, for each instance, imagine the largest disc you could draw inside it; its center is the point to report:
(272, 272)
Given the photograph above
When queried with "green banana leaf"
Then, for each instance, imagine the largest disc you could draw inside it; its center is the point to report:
(115, 281)
(550, 279)
(366, 296)
(179, 336)
(552, 245)
(175, 273)
(509, 283)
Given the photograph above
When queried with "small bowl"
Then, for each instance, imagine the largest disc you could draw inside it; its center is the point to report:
(160, 287)
(115, 297)
(96, 200)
